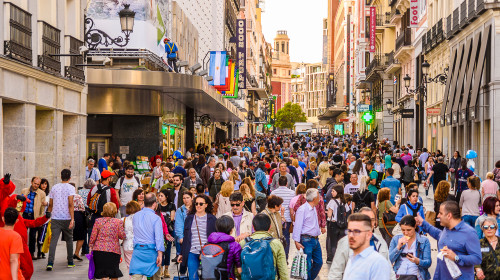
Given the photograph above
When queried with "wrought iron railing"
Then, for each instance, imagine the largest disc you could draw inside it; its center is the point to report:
(19, 44)
(456, 20)
(463, 14)
(404, 39)
(51, 44)
(391, 59)
(387, 18)
(72, 71)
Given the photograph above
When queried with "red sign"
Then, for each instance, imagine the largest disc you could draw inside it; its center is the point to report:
(433, 111)
(343, 120)
(373, 26)
(414, 13)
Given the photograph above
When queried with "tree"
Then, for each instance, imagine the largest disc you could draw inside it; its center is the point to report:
(287, 116)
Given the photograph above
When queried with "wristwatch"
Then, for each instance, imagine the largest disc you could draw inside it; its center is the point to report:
(457, 259)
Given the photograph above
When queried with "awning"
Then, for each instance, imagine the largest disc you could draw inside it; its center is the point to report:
(136, 92)
(331, 113)
(260, 92)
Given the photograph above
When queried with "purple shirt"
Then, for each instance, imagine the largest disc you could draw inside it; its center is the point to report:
(406, 158)
(237, 222)
(306, 222)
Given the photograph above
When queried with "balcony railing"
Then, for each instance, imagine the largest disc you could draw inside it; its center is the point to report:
(72, 71)
(378, 61)
(471, 10)
(404, 39)
(449, 27)
(424, 43)
(51, 44)
(463, 14)
(480, 7)
(456, 15)
(433, 37)
(387, 18)
(19, 44)
(380, 20)
(440, 31)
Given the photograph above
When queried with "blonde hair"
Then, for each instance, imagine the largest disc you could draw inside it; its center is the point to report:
(109, 210)
(295, 162)
(227, 188)
(245, 191)
(313, 163)
(233, 176)
(362, 183)
(490, 175)
(248, 181)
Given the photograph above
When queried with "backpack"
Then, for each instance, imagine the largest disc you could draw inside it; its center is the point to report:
(341, 214)
(214, 261)
(98, 199)
(415, 211)
(361, 203)
(257, 260)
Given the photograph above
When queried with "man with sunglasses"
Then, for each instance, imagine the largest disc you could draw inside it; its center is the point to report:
(344, 252)
(242, 218)
(365, 263)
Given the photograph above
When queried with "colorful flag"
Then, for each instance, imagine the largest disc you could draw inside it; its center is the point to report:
(226, 85)
(217, 68)
(233, 92)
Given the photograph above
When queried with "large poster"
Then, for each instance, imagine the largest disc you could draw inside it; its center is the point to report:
(373, 26)
(331, 94)
(150, 25)
(241, 52)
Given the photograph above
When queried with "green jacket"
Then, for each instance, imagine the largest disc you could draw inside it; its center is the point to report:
(489, 264)
(278, 253)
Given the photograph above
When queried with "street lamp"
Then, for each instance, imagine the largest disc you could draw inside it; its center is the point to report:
(422, 87)
(389, 106)
(94, 37)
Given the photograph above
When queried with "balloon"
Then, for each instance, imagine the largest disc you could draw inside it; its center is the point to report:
(471, 154)
(471, 165)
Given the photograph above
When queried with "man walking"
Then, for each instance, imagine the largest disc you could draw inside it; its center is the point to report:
(91, 172)
(103, 162)
(34, 209)
(439, 170)
(126, 186)
(242, 218)
(306, 232)
(282, 172)
(457, 240)
(365, 263)
(207, 171)
(178, 189)
(63, 221)
(392, 183)
(286, 194)
(148, 241)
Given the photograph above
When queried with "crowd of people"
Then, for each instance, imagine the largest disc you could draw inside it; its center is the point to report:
(232, 211)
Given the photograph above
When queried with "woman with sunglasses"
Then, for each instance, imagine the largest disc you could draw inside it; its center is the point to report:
(491, 208)
(490, 250)
(199, 224)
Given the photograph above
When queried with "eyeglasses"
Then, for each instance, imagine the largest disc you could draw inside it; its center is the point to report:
(489, 227)
(355, 232)
(235, 204)
(200, 203)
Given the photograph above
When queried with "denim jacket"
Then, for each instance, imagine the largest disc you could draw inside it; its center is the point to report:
(423, 251)
(180, 217)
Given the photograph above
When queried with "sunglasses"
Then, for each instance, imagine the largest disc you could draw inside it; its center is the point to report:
(200, 203)
(235, 204)
(489, 227)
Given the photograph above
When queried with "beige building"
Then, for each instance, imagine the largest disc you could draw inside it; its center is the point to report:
(281, 69)
(43, 97)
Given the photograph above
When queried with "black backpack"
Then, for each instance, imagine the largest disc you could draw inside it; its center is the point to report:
(342, 214)
(414, 211)
(98, 199)
(362, 203)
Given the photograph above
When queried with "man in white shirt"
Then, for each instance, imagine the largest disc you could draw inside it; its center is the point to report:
(286, 194)
(353, 186)
(127, 185)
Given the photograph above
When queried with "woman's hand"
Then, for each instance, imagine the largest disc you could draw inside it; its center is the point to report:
(169, 237)
(402, 241)
(413, 259)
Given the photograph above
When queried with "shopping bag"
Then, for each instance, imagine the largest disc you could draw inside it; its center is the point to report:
(303, 266)
(46, 242)
(91, 273)
(397, 230)
(299, 265)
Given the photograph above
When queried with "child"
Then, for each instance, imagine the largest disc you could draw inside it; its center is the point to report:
(224, 226)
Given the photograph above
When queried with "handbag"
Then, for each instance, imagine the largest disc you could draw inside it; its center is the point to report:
(389, 217)
(91, 273)
(281, 238)
(179, 277)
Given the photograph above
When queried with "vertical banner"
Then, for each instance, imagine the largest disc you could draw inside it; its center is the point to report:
(272, 110)
(373, 26)
(414, 13)
(241, 52)
(348, 56)
(330, 91)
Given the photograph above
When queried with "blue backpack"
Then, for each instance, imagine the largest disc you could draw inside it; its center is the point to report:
(257, 261)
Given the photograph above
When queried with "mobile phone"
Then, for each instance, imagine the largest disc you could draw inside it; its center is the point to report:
(404, 255)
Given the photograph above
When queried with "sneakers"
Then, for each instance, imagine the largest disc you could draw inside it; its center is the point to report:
(71, 264)
(49, 267)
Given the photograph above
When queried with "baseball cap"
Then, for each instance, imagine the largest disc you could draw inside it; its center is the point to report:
(106, 174)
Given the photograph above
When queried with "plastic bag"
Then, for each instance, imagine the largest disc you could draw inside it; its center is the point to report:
(90, 257)
(303, 265)
(299, 265)
(451, 265)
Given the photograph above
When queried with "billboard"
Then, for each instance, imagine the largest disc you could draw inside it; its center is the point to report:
(150, 25)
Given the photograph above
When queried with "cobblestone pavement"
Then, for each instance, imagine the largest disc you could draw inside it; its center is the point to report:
(61, 272)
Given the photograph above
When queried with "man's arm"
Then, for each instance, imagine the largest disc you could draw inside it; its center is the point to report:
(71, 208)
(473, 248)
(281, 261)
(297, 228)
(435, 232)
(51, 204)
(14, 265)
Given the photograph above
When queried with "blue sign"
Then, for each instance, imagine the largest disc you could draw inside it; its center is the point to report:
(364, 108)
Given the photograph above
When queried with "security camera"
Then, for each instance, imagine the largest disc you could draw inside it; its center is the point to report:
(209, 78)
(83, 49)
(203, 72)
(195, 68)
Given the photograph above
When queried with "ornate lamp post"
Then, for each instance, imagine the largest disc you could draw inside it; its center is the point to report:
(94, 37)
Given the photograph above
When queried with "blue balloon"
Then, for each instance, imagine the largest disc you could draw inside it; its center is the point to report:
(471, 154)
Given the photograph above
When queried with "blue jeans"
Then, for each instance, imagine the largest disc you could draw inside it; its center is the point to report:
(312, 249)
(193, 264)
(471, 220)
(166, 256)
(286, 233)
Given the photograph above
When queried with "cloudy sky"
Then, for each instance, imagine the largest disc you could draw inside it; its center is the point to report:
(303, 19)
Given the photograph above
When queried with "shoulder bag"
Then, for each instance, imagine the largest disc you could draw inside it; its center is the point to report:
(281, 237)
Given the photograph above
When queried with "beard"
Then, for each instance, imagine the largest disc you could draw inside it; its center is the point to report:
(129, 175)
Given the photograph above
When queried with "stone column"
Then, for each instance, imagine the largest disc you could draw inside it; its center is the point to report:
(19, 142)
(387, 119)
(72, 145)
(46, 145)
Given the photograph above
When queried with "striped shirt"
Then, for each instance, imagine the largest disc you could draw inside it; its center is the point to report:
(201, 224)
(286, 194)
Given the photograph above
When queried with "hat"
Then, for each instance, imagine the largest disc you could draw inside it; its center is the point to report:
(166, 40)
(106, 174)
(268, 166)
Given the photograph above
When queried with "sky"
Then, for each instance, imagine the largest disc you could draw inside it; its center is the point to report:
(303, 20)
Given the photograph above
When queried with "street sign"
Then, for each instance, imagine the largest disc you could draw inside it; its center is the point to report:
(364, 108)
(433, 111)
(407, 113)
(343, 120)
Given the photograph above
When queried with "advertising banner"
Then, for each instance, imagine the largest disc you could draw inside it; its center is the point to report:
(241, 52)
(373, 26)
(331, 95)
(414, 13)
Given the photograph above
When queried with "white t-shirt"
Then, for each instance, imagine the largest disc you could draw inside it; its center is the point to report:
(351, 189)
(59, 194)
(332, 205)
(127, 189)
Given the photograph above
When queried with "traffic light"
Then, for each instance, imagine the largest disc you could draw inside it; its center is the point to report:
(368, 117)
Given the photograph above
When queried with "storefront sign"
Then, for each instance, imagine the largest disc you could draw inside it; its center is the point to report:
(373, 25)
(414, 13)
(241, 52)
(343, 120)
(124, 150)
(364, 107)
(433, 111)
(348, 56)
(407, 114)
(272, 111)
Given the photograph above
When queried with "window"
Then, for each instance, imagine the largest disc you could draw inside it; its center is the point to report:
(277, 46)
(289, 73)
(19, 46)
(283, 46)
(274, 71)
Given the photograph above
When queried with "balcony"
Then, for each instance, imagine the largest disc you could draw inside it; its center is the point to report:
(387, 18)
(51, 44)
(380, 20)
(480, 8)
(463, 15)
(456, 26)
(403, 43)
(395, 15)
(433, 37)
(393, 64)
(18, 46)
(379, 63)
(449, 29)
(73, 72)
(471, 10)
